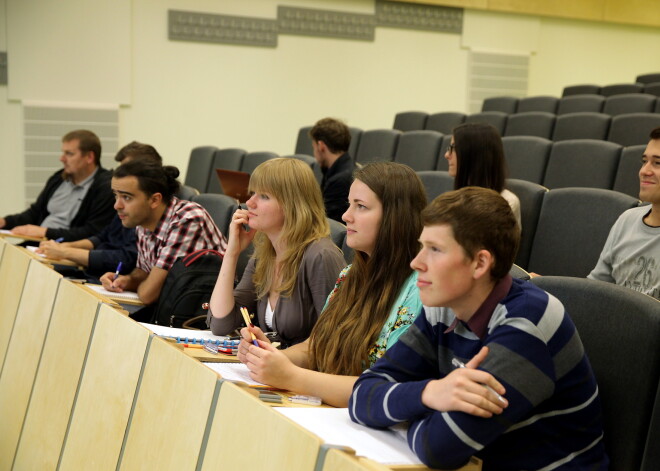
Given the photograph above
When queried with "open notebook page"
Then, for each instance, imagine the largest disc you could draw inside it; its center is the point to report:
(127, 295)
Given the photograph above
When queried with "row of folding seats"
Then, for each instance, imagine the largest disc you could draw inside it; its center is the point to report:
(625, 129)
(611, 105)
(554, 222)
(644, 83)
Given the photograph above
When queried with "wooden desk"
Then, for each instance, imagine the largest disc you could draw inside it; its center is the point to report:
(50, 261)
(9, 235)
(13, 269)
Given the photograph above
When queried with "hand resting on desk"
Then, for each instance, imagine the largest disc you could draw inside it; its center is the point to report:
(30, 230)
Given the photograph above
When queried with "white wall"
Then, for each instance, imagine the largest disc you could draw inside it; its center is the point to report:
(184, 94)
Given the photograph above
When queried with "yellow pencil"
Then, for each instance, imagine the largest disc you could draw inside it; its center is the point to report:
(246, 318)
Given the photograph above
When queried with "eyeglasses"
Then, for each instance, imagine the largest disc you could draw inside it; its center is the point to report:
(451, 148)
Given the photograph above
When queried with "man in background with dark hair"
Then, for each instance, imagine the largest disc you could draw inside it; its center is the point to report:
(76, 201)
(631, 254)
(167, 228)
(102, 252)
(330, 140)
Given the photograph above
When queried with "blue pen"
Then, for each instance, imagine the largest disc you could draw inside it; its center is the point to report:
(118, 270)
(59, 240)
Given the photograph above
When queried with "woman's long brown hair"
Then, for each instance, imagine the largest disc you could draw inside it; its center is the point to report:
(350, 324)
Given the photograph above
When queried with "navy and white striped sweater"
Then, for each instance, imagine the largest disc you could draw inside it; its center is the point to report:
(553, 421)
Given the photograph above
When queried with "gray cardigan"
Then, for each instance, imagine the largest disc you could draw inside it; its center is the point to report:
(295, 316)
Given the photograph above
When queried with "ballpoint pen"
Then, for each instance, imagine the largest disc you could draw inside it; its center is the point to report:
(459, 364)
(118, 270)
(246, 318)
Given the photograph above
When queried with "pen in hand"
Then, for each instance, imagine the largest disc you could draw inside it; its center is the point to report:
(246, 318)
(59, 240)
(117, 272)
(459, 364)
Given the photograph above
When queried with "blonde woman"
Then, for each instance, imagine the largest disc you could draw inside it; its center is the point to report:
(374, 302)
(295, 264)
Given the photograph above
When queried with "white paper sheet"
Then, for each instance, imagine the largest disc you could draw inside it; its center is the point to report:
(191, 336)
(335, 427)
(127, 295)
(234, 372)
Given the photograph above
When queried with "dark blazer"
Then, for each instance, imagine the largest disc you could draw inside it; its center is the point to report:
(96, 209)
(335, 185)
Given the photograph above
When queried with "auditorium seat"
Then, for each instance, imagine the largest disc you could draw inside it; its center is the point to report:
(581, 126)
(582, 163)
(652, 89)
(532, 123)
(581, 90)
(419, 149)
(632, 129)
(200, 166)
(627, 173)
(629, 103)
(442, 163)
(497, 119)
(531, 198)
(377, 144)
(547, 104)
(503, 104)
(436, 183)
(444, 122)
(621, 88)
(648, 78)
(251, 160)
(527, 157)
(228, 159)
(303, 142)
(581, 103)
(410, 120)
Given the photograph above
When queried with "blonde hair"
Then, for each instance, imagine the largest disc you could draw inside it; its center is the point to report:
(351, 322)
(291, 182)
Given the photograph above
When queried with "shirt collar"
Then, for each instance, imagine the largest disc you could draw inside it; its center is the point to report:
(478, 323)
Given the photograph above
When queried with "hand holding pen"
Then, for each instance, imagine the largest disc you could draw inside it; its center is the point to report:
(248, 322)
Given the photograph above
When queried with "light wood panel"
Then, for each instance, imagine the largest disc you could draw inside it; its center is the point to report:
(641, 12)
(340, 460)
(13, 269)
(57, 378)
(23, 354)
(247, 432)
(106, 392)
(173, 404)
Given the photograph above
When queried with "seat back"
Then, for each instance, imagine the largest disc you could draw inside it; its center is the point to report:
(228, 159)
(547, 104)
(377, 144)
(621, 88)
(531, 198)
(419, 149)
(200, 167)
(253, 159)
(442, 163)
(584, 125)
(497, 119)
(502, 104)
(337, 232)
(629, 103)
(581, 89)
(648, 78)
(356, 135)
(304, 142)
(652, 89)
(436, 182)
(618, 327)
(186, 192)
(532, 123)
(220, 207)
(444, 122)
(582, 162)
(627, 173)
(591, 103)
(633, 129)
(410, 120)
(527, 157)
(572, 228)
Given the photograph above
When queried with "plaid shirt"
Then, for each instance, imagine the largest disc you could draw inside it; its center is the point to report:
(184, 228)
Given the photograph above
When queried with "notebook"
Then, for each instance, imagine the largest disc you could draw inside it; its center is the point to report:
(234, 183)
(125, 296)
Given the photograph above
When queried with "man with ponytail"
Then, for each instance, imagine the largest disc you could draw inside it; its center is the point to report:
(167, 228)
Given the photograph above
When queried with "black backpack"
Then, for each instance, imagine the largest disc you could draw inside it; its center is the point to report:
(187, 289)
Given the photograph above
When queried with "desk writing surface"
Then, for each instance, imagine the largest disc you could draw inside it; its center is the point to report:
(23, 353)
(258, 437)
(13, 270)
(106, 392)
(171, 411)
(32, 251)
(57, 378)
(4, 233)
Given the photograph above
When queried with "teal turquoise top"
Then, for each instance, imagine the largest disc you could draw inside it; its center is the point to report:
(405, 309)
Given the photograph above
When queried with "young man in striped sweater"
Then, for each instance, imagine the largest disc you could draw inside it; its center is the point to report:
(493, 367)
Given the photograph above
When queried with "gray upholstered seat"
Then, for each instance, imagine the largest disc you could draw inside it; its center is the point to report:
(633, 129)
(620, 331)
(538, 103)
(648, 78)
(652, 88)
(580, 89)
(627, 173)
(621, 88)
(445, 122)
(527, 157)
(419, 149)
(186, 192)
(220, 208)
(532, 123)
(442, 163)
(584, 125)
(581, 103)
(410, 120)
(251, 160)
(228, 159)
(582, 162)
(303, 141)
(531, 198)
(572, 228)
(377, 144)
(503, 104)
(497, 119)
(629, 103)
(436, 182)
(200, 166)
